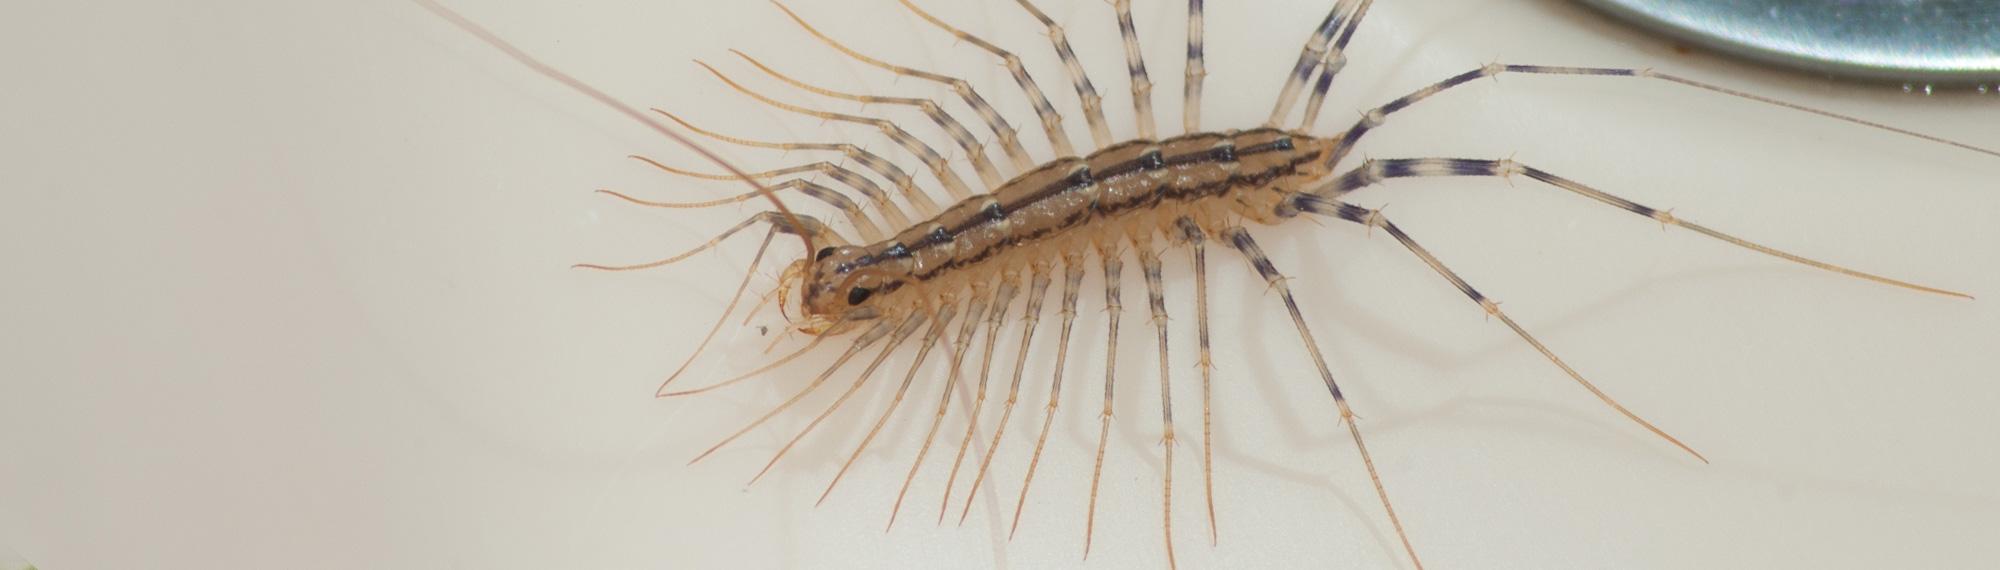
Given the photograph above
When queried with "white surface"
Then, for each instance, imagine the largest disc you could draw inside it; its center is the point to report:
(287, 287)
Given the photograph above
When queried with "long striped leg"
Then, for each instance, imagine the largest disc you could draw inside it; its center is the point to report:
(994, 318)
(1009, 139)
(1114, 269)
(959, 345)
(1086, 95)
(905, 184)
(1037, 290)
(1330, 66)
(933, 161)
(1192, 235)
(1240, 239)
(974, 151)
(1052, 124)
(1309, 57)
(902, 333)
(1377, 170)
(1072, 281)
(862, 342)
(1374, 117)
(1135, 65)
(1156, 299)
(944, 316)
(1196, 71)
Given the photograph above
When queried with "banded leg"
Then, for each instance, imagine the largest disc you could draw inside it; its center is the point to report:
(994, 318)
(1037, 291)
(866, 339)
(1072, 282)
(1330, 66)
(974, 151)
(1192, 235)
(1086, 95)
(1052, 124)
(1135, 65)
(862, 225)
(1310, 55)
(1241, 240)
(1114, 269)
(932, 160)
(902, 333)
(1374, 117)
(944, 315)
(1156, 299)
(905, 184)
(959, 344)
(1377, 170)
(1009, 139)
(1196, 71)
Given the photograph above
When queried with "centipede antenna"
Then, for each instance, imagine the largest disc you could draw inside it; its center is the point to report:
(1191, 233)
(1072, 285)
(873, 162)
(1009, 139)
(1002, 298)
(1377, 170)
(862, 342)
(1374, 118)
(1156, 300)
(1135, 66)
(1309, 57)
(519, 56)
(760, 217)
(876, 196)
(1196, 71)
(974, 150)
(1244, 244)
(1114, 269)
(1093, 105)
(945, 313)
(932, 160)
(734, 298)
(903, 332)
(981, 296)
(1037, 290)
(1052, 124)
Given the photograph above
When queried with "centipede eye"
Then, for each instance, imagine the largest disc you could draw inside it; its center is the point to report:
(858, 294)
(823, 252)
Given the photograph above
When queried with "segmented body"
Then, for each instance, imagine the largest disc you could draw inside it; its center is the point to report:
(964, 263)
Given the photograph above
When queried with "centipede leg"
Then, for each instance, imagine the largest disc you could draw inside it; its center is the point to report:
(1196, 71)
(902, 333)
(1149, 263)
(1377, 170)
(1192, 235)
(1037, 290)
(862, 342)
(944, 315)
(994, 318)
(1135, 66)
(1072, 285)
(1114, 268)
(980, 297)
(1310, 55)
(1241, 240)
(1086, 94)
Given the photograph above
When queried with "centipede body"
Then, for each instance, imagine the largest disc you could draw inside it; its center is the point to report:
(1315, 250)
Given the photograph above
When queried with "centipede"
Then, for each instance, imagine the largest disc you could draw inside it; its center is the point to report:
(970, 227)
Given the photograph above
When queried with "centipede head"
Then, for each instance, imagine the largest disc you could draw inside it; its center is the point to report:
(839, 287)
